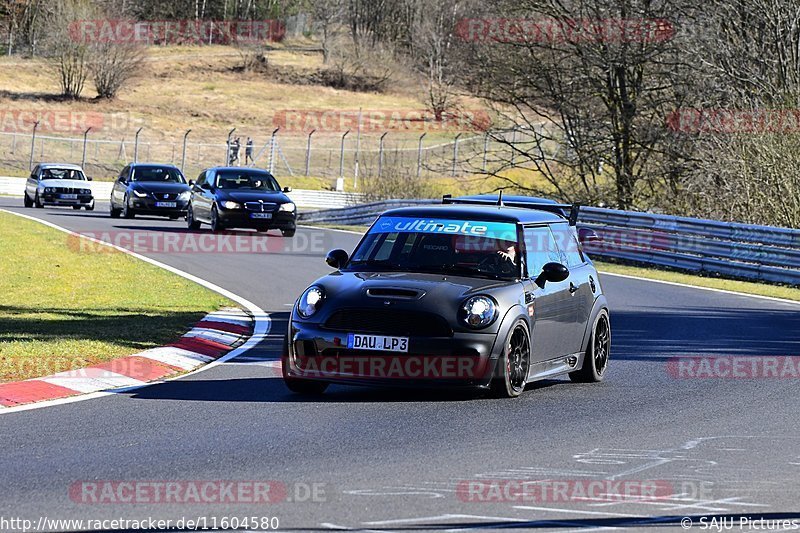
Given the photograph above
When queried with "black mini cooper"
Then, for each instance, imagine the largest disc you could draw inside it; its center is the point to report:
(236, 197)
(476, 292)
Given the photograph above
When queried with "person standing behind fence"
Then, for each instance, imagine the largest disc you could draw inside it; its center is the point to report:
(235, 146)
(248, 151)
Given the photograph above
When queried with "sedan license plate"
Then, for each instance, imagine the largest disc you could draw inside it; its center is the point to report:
(69, 196)
(377, 342)
(260, 215)
(166, 204)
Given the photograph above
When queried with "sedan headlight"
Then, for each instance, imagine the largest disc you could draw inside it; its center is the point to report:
(227, 204)
(49, 190)
(288, 207)
(309, 302)
(479, 312)
(139, 194)
(185, 195)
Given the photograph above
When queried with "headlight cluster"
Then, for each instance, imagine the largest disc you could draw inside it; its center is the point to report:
(288, 207)
(139, 194)
(49, 190)
(479, 311)
(184, 195)
(86, 191)
(227, 204)
(310, 301)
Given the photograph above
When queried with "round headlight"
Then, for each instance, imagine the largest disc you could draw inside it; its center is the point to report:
(309, 302)
(49, 190)
(479, 311)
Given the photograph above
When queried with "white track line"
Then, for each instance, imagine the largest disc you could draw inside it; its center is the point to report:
(260, 330)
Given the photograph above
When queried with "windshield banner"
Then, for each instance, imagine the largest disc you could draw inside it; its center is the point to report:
(446, 226)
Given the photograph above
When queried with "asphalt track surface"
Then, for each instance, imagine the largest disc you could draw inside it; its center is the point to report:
(391, 460)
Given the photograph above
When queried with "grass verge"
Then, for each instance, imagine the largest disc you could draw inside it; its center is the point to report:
(63, 308)
(746, 287)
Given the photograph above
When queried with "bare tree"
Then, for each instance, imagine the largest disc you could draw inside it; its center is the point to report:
(328, 16)
(68, 52)
(113, 65)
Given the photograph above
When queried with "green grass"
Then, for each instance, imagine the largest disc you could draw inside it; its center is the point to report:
(63, 308)
(746, 287)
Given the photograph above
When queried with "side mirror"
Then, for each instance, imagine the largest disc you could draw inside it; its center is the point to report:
(587, 235)
(88, 178)
(191, 183)
(336, 258)
(553, 272)
(287, 189)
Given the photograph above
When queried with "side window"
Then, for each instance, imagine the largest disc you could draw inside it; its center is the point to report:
(35, 173)
(124, 174)
(540, 248)
(568, 245)
(201, 180)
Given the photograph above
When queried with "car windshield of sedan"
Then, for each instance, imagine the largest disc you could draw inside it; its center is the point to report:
(243, 180)
(157, 174)
(62, 174)
(441, 246)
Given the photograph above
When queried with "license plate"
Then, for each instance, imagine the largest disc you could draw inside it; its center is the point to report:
(380, 343)
(69, 196)
(166, 204)
(260, 215)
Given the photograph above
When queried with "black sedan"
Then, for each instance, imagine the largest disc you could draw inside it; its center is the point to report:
(234, 197)
(150, 189)
(483, 294)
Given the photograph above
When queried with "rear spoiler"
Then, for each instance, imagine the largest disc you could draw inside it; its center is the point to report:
(558, 209)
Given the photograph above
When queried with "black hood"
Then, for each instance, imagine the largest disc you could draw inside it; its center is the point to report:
(160, 187)
(241, 196)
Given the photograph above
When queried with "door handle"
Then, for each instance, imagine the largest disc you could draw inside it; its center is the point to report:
(572, 288)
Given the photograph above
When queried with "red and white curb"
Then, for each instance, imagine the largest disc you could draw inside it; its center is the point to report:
(211, 338)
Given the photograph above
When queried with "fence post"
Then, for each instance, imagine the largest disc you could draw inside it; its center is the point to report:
(83, 157)
(358, 150)
(485, 151)
(136, 145)
(455, 153)
(33, 144)
(380, 154)
(308, 152)
(228, 148)
(513, 145)
(419, 154)
(340, 179)
(272, 150)
(183, 156)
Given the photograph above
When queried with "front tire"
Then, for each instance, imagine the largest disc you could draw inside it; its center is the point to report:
(27, 201)
(595, 361)
(216, 224)
(90, 207)
(288, 233)
(127, 212)
(514, 363)
(38, 201)
(76, 207)
(191, 223)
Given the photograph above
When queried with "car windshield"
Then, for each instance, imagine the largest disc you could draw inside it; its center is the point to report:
(157, 174)
(441, 246)
(242, 179)
(62, 174)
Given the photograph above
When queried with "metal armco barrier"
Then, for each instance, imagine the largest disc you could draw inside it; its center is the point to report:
(762, 253)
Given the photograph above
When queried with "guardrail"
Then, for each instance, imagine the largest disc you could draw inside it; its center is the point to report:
(762, 253)
(302, 197)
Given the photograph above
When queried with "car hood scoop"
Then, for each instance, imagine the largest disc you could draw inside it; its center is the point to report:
(399, 293)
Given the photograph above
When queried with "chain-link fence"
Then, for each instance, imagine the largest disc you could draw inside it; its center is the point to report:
(328, 155)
